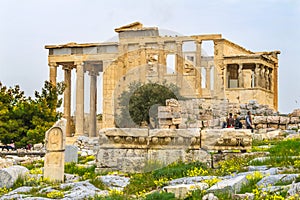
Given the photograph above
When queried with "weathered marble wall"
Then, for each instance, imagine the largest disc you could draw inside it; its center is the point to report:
(133, 150)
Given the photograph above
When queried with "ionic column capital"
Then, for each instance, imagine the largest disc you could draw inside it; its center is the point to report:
(93, 73)
(67, 67)
(198, 42)
(52, 64)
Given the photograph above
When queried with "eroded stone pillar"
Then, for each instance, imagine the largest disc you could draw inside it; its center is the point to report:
(79, 115)
(55, 155)
(67, 99)
(53, 72)
(267, 79)
(93, 104)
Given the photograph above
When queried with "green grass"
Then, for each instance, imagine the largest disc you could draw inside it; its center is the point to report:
(286, 148)
(146, 181)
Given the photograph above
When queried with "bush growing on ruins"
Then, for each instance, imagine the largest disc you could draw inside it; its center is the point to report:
(140, 100)
(25, 120)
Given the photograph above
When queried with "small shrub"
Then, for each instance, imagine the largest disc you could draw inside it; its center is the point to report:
(212, 181)
(177, 170)
(55, 194)
(161, 182)
(197, 172)
(96, 181)
(113, 195)
(30, 181)
(195, 194)
(259, 194)
(160, 196)
(85, 172)
(34, 164)
(85, 159)
(140, 182)
(297, 164)
(252, 180)
(4, 191)
(231, 165)
(36, 171)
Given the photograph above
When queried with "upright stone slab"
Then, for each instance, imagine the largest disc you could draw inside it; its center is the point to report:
(71, 153)
(55, 155)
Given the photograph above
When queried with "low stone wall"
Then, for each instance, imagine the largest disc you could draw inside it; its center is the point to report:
(134, 150)
(276, 122)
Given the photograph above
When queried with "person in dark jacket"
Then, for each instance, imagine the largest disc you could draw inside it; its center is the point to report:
(230, 121)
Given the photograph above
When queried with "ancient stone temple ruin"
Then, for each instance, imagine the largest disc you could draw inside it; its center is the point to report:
(144, 55)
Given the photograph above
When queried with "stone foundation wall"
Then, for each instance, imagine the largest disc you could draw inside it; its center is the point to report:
(134, 150)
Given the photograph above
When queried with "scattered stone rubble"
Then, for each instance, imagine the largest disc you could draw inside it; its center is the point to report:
(202, 113)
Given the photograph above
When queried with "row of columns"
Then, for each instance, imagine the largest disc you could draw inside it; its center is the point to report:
(79, 114)
(262, 76)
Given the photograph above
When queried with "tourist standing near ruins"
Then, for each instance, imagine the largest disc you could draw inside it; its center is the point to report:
(237, 122)
(249, 121)
(230, 121)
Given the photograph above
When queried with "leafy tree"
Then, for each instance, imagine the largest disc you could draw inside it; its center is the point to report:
(140, 103)
(25, 120)
(45, 113)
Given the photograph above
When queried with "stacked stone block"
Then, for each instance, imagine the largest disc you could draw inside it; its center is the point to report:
(169, 116)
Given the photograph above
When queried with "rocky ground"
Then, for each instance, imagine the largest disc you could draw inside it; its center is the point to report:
(230, 183)
(270, 179)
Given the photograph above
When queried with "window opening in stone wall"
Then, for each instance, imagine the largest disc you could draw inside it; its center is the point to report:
(203, 77)
(232, 74)
(189, 46)
(207, 48)
(190, 58)
(171, 63)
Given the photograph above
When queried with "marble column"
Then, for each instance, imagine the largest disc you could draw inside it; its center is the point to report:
(67, 99)
(93, 104)
(198, 67)
(207, 77)
(257, 75)
(79, 115)
(53, 72)
(179, 59)
(179, 64)
(162, 68)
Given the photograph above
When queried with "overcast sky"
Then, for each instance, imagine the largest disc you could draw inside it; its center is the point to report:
(258, 25)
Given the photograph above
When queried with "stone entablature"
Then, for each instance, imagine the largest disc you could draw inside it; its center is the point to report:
(130, 150)
(141, 54)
